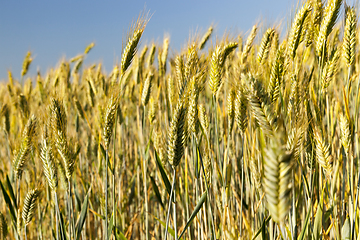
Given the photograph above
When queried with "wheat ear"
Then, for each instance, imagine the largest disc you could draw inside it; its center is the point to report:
(29, 205)
(177, 135)
(349, 43)
(277, 182)
(48, 161)
(26, 146)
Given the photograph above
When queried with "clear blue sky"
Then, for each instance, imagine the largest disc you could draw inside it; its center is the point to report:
(52, 29)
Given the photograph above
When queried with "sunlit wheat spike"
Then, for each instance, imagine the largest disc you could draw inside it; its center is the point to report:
(248, 44)
(26, 64)
(318, 7)
(89, 47)
(3, 227)
(330, 16)
(296, 30)
(265, 45)
(152, 109)
(276, 74)
(310, 32)
(216, 65)
(334, 41)
(294, 96)
(228, 48)
(58, 122)
(241, 106)
(323, 156)
(5, 113)
(58, 117)
(180, 73)
(215, 70)
(11, 79)
(151, 56)
(90, 94)
(132, 43)
(177, 135)
(76, 58)
(192, 110)
(79, 108)
(231, 107)
(26, 146)
(345, 135)
(207, 165)
(255, 167)
(110, 120)
(146, 91)
(171, 91)
(205, 38)
(277, 182)
(78, 65)
(349, 42)
(143, 54)
(294, 140)
(24, 106)
(203, 118)
(62, 175)
(274, 45)
(191, 61)
(330, 70)
(160, 144)
(164, 53)
(262, 113)
(29, 205)
(18, 220)
(48, 161)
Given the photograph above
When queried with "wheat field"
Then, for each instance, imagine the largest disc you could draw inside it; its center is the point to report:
(249, 136)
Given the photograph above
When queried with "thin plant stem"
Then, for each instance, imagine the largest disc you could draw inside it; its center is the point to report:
(242, 182)
(174, 204)
(106, 193)
(169, 208)
(56, 217)
(113, 172)
(208, 198)
(69, 210)
(355, 206)
(146, 202)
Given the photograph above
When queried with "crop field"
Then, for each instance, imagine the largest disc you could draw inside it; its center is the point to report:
(250, 136)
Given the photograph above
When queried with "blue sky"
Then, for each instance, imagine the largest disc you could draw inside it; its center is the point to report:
(53, 29)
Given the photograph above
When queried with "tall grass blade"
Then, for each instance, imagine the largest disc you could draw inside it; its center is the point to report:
(194, 213)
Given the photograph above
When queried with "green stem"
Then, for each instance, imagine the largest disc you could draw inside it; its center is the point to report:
(25, 232)
(174, 204)
(56, 217)
(355, 206)
(106, 193)
(169, 208)
(69, 208)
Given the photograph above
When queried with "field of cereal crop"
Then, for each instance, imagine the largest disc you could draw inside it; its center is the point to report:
(247, 137)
